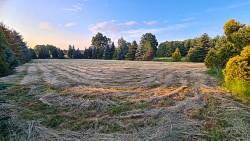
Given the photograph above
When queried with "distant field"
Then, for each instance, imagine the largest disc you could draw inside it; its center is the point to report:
(167, 59)
(118, 100)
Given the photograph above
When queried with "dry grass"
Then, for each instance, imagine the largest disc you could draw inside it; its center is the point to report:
(120, 100)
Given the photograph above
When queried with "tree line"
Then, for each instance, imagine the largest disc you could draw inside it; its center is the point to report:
(13, 50)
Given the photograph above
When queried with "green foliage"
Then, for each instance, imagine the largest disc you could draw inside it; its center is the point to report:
(7, 60)
(232, 26)
(198, 54)
(161, 51)
(143, 48)
(215, 72)
(100, 42)
(132, 50)
(149, 55)
(176, 56)
(16, 44)
(149, 37)
(33, 53)
(237, 73)
(122, 49)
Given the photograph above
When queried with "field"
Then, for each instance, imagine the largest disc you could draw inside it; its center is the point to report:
(118, 100)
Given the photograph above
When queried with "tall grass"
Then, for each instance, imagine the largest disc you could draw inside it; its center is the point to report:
(239, 87)
(216, 72)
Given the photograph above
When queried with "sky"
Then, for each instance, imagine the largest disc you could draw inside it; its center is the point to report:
(75, 22)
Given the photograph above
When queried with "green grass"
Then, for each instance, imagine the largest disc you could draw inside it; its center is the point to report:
(153, 85)
(117, 110)
(239, 87)
(4, 86)
(17, 93)
(216, 72)
(167, 59)
(54, 121)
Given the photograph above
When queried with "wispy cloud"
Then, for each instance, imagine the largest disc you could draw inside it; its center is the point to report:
(151, 22)
(130, 23)
(187, 19)
(70, 24)
(75, 7)
(138, 32)
(228, 7)
(114, 30)
(110, 27)
(44, 26)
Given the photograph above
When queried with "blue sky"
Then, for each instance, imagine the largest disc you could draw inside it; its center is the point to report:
(61, 22)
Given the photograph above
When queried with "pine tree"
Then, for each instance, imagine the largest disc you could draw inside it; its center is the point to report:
(70, 51)
(149, 55)
(33, 53)
(176, 56)
(132, 50)
(94, 52)
(198, 54)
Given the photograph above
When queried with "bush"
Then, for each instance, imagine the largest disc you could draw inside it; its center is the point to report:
(176, 56)
(218, 58)
(212, 59)
(237, 72)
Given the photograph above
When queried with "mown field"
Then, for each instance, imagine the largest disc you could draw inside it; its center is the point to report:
(118, 100)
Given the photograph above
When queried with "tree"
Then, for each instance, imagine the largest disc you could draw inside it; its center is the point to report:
(237, 36)
(16, 44)
(60, 54)
(54, 53)
(232, 26)
(161, 51)
(70, 51)
(77, 54)
(112, 50)
(198, 54)
(94, 52)
(33, 53)
(142, 49)
(237, 72)
(176, 56)
(43, 53)
(4, 64)
(122, 48)
(149, 55)
(149, 37)
(100, 42)
(132, 50)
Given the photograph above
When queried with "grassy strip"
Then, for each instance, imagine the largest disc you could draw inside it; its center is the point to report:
(236, 86)
(167, 59)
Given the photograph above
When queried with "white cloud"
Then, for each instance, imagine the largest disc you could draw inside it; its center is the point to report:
(130, 23)
(110, 27)
(70, 24)
(151, 22)
(44, 26)
(138, 32)
(115, 31)
(75, 7)
(187, 19)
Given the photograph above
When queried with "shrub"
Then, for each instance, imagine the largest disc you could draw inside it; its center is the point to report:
(176, 56)
(237, 72)
(211, 60)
